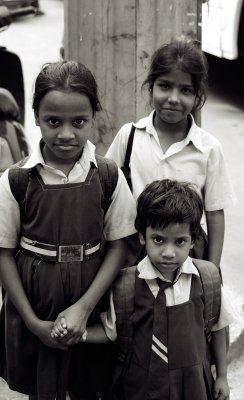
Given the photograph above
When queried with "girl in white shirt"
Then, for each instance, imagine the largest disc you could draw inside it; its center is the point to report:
(168, 143)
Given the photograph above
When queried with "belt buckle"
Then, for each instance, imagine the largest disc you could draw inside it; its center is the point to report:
(70, 253)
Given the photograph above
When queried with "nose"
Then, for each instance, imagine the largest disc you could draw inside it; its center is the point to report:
(66, 132)
(173, 96)
(168, 251)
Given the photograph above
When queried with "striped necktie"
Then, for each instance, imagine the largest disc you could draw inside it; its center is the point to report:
(158, 368)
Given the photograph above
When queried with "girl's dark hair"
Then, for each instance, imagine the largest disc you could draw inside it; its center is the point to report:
(186, 55)
(164, 202)
(66, 76)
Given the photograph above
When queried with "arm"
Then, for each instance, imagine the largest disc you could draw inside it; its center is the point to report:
(216, 229)
(14, 288)
(76, 316)
(96, 334)
(218, 348)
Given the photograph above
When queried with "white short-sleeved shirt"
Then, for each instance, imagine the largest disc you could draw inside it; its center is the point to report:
(177, 294)
(197, 159)
(119, 218)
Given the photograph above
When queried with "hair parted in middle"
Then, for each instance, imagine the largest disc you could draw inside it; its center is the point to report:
(165, 201)
(186, 55)
(66, 76)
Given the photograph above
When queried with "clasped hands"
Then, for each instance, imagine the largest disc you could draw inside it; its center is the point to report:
(70, 326)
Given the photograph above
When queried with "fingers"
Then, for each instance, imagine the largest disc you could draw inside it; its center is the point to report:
(73, 338)
(221, 395)
(60, 329)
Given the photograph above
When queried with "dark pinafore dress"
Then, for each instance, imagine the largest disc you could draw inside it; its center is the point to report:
(67, 214)
(189, 368)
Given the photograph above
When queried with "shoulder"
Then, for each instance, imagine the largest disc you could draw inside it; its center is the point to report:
(140, 125)
(105, 161)
(124, 131)
(107, 168)
(204, 266)
(208, 139)
(210, 276)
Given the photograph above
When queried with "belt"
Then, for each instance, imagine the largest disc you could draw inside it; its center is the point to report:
(58, 253)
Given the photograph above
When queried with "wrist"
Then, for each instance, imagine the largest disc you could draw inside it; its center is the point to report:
(221, 376)
(33, 324)
(84, 306)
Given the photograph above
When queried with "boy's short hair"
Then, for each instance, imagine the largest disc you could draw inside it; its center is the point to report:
(166, 201)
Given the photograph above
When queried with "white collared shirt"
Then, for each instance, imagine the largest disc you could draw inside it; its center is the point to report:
(197, 159)
(118, 222)
(175, 294)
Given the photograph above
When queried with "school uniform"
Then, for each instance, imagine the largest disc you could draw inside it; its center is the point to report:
(197, 159)
(186, 355)
(66, 211)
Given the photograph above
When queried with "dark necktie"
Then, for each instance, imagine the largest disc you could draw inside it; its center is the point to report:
(158, 369)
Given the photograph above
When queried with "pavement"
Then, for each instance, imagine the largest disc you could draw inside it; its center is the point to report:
(220, 116)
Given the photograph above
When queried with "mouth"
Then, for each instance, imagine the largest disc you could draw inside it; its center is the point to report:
(170, 110)
(65, 146)
(168, 264)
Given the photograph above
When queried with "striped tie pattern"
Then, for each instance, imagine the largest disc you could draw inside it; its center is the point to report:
(158, 369)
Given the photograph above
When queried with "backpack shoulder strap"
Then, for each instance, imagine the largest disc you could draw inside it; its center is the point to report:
(129, 147)
(18, 180)
(211, 282)
(108, 174)
(126, 166)
(123, 297)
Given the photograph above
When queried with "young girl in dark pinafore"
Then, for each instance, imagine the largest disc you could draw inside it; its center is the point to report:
(69, 237)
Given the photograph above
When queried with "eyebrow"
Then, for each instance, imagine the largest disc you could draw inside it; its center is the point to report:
(166, 80)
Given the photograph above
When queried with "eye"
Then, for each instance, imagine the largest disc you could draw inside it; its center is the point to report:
(78, 122)
(158, 240)
(180, 242)
(187, 90)
(53, 122)
(163, 85)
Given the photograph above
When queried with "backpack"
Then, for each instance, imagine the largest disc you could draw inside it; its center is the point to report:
(123, 296)
(13, 146)
(107, 169)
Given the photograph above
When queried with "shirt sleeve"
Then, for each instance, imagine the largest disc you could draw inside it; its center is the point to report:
(218, 190)
(108, 319)
(227, 313)
(120, 216)
(118, 147)
(9, 215)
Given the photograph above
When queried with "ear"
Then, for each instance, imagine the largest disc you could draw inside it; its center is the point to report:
(37, 119)
(192, 244)
(142, 240)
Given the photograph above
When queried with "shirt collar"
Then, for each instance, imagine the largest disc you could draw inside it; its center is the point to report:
(36, 157)
(194, 134)
(148, 272)
(147, 124)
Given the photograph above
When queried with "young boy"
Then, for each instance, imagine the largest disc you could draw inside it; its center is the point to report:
(160, 320)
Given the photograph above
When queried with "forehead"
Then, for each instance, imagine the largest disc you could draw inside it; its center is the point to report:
(176, 229)
(59, 102)
(177, 75)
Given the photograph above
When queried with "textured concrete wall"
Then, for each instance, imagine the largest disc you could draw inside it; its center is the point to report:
(116, 39)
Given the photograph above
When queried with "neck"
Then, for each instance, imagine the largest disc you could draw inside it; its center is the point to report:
(64, 165)
(171, 133)
(170, 276)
